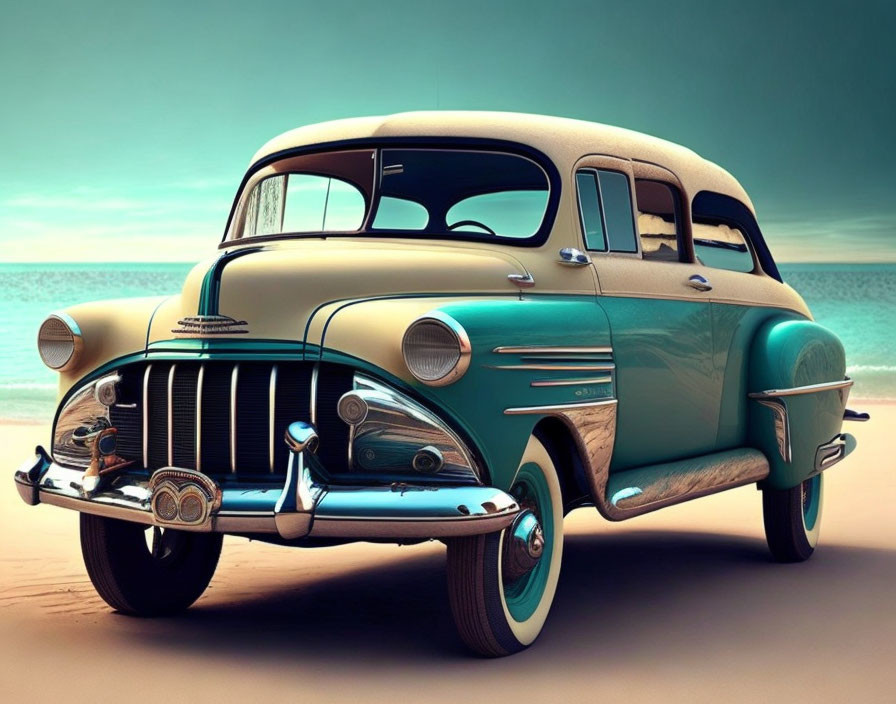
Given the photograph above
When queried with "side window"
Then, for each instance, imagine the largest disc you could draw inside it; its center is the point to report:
(722, 246)
(605, 207)
(658, 219)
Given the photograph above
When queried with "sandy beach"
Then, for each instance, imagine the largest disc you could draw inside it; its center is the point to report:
(682, 605)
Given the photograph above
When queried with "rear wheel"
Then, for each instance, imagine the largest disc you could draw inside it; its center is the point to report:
(793, 519)
(501, 585)
(147, 574)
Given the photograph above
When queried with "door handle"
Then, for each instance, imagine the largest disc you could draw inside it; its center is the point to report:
(570, 256)
(700, 283)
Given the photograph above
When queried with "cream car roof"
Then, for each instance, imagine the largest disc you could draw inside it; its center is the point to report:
(563, 140)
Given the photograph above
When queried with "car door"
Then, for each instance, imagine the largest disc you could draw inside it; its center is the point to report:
(635, 227)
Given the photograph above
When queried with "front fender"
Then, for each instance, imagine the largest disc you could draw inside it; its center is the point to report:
(110, 329)
(370, 333)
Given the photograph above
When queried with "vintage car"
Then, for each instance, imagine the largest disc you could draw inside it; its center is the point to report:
(450, 326)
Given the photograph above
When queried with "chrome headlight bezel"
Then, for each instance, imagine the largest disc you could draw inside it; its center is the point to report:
(59, 342)
(454, 345)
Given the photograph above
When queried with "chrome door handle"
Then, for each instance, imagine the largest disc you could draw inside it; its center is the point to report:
(570, 256)
(522, 280)
(700, 283)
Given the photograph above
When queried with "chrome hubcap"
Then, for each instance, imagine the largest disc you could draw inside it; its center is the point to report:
(523, 546)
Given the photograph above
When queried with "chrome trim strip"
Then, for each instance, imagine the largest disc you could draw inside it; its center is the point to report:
(781, 423)
(314, 373)
(553, 350)
(608, 367)
(146, 416)
(799, 390)
(234, 378)
(171, 414)
(573, 382)
(272, 414)
(558, 408)
(636, 491)
(199, 382)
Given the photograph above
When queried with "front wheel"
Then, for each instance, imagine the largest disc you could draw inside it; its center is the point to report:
(793, 519)
(501, 585)
(147, 571)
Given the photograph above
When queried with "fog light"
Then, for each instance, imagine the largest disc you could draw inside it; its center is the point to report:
(106, 390)
(352, 408)
(164, 505)
(428, 460)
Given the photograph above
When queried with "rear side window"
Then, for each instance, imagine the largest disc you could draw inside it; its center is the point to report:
(605, 208)
(659, 219)
(722, 246)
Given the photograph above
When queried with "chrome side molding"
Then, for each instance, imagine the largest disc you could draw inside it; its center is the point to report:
(799, 390)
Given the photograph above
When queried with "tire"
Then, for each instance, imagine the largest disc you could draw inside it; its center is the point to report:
(496, 619)
(793, 519)
(132, 580)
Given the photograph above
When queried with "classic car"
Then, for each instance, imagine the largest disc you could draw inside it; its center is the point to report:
(449, 326)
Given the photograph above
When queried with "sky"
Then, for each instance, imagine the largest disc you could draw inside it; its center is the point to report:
(125, 127)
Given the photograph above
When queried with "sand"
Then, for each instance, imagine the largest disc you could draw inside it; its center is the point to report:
(682, 605)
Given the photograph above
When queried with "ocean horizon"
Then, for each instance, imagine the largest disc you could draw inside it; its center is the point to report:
(856, 301)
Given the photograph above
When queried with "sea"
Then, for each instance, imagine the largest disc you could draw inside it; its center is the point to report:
(856, 301)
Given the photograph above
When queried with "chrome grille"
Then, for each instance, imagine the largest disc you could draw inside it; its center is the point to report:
(227, 418)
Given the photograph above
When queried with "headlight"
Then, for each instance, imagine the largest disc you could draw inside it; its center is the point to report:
(436, 349)
(59, 342)
(82, 421)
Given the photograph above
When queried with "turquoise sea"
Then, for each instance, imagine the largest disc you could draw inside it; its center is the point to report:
(857, 301)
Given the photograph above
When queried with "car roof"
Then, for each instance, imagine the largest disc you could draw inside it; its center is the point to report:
(563, 140)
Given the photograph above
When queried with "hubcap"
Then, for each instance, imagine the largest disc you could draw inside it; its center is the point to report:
(523, 546)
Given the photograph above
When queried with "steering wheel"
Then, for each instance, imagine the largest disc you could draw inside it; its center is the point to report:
(474, 223)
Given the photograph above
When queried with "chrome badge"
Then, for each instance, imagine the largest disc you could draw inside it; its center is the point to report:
(206, 325)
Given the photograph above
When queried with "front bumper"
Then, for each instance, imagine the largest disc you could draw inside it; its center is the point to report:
(298, 509)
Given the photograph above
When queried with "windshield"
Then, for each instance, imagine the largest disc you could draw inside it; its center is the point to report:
(442, 193)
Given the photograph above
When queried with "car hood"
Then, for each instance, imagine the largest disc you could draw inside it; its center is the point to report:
(276, 291)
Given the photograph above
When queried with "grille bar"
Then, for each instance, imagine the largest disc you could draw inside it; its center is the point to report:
(234, 378)
(146, 415)
(272, 415)
(199, 381)
(171, 415)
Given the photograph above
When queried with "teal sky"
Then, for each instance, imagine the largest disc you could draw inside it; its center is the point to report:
(126, 127)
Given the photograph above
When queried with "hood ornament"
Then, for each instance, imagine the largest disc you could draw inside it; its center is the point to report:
(203, 325)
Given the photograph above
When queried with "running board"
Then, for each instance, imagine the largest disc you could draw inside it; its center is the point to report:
(636, 491)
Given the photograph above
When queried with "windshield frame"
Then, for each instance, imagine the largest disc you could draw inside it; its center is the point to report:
(454, 143)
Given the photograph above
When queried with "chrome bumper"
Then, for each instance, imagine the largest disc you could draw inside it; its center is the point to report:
(297, 509)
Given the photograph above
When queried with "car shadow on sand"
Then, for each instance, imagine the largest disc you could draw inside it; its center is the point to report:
(638, 595)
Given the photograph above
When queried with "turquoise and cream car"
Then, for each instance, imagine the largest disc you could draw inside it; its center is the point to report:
(451, 326)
